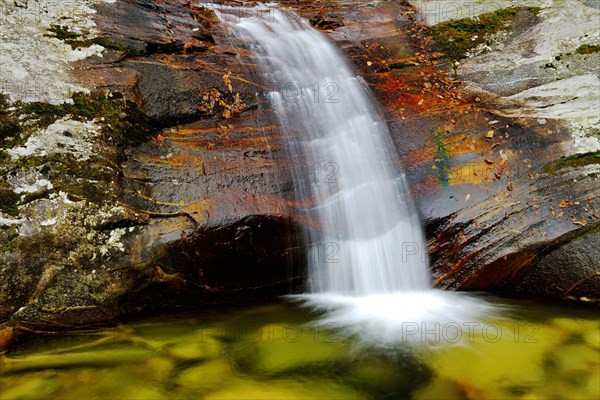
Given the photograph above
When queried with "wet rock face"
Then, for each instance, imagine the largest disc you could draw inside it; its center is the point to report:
(498, 190)
(213, 177)
(502, 182)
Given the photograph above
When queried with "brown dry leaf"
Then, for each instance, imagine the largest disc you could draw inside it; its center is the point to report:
(509, 186)
(227, 81)
(565, 203)
(6, 335)
(583, 222)
(502, 166)
(488, 161)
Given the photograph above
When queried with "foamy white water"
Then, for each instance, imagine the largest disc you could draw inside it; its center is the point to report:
(368, 264)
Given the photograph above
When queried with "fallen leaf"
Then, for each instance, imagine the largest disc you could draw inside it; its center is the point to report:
(490, 134)
(565, 203)
(421, 101)
(467, 197)
(493, 122)
(369, 63)
(509, 186)
(583, 222)
(488, 161)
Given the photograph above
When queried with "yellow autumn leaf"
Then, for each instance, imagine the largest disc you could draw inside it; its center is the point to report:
(565, 203)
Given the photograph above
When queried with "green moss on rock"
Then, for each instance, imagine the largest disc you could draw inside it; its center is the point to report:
(109, 44)
(123, 123)
(61, 32)
(75, 40)
(9, 123)
(458, 36)
(588, 230)
(588, 49)
(577, 160)
(8, 200)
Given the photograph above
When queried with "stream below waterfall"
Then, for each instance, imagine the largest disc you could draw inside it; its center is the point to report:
(276, 351)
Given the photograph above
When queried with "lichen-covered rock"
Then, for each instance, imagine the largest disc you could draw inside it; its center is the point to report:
(108, 206)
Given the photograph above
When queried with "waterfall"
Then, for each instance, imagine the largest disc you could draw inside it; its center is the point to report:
(368, 262)
(369, 238)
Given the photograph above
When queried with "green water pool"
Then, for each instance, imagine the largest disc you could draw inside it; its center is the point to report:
(271, 351)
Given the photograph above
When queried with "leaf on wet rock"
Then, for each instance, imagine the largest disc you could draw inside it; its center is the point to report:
(565, 203)
(582, 221)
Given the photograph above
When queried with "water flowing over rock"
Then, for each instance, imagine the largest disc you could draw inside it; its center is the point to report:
(348, 180)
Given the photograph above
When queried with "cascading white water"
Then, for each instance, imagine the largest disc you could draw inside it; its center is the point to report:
(370, 238)
(368, 265)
